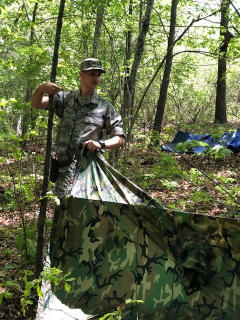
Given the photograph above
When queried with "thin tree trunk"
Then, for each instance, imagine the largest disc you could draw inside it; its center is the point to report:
(27, 117)
(136, 62)
(145, 91)
(97, 32)
(43, 207)
(167, 71)
(126, 92)
(220, 108)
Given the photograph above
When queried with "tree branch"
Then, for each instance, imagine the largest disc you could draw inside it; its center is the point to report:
(163, 61)
(234, 8)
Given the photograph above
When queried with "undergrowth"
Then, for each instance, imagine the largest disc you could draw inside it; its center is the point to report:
(204, 184)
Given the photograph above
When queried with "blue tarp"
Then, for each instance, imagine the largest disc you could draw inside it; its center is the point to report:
(230, 140)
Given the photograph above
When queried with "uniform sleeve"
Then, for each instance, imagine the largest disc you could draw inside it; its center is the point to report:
(59, 103)
(114, 123)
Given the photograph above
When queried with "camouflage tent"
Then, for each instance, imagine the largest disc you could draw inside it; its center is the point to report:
(119, 243)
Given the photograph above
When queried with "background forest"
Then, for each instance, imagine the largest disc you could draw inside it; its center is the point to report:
(170, 65)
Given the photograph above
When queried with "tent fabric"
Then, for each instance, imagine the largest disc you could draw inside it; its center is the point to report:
(181, 265)
(230, 140)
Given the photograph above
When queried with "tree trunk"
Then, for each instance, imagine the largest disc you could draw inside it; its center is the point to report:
(136, 62)
(161, 64)
(126, 92)
(27, 116)
(167, 71)
(97, 32)
(220, 108)
(43, 207)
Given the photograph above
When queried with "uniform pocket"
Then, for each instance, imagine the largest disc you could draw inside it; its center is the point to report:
(94, 118)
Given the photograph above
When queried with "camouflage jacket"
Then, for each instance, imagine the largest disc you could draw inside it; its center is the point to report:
(82, 120)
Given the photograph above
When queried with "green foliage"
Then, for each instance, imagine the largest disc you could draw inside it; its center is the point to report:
(232, 195)
(183, 68)
(201, 196)
(21, 186)
(219, 152)
(168, 167)
(169, 131)
(21, 192)
(189, 145)
(163, 172)
(26, 62)
(31, 243)
(171, 185)
(52, 275)
(143, 140)
(8, 116)
(19, 181)
(228, 180)
(7, 252)
(8, 198)
(32, 286)
(195, 175)
(119, 313)
(4, 295)
(26, 53)
(146, 179)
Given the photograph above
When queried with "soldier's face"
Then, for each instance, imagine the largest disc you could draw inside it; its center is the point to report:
(90, 79)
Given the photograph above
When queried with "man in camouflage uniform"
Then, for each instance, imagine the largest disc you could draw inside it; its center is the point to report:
(84, 114)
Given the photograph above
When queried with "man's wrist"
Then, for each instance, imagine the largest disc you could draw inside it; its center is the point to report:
(40, 88)
(102, 143)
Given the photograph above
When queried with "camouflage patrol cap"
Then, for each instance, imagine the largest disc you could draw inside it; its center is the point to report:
(91, 64)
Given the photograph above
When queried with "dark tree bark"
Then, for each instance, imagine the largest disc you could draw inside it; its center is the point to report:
(161, 64)
(128, 49)
(167, 71)
(43, 206)
(220, 108)
(131, 84)
(97, 32)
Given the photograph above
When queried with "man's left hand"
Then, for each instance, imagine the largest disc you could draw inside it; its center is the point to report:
(92, 145)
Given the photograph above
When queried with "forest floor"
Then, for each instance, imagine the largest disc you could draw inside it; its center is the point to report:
(208, 189)
(204, 185)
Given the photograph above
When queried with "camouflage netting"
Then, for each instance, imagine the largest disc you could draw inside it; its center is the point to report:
(119, 243)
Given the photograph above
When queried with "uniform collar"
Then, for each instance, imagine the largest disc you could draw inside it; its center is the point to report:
(93, 99)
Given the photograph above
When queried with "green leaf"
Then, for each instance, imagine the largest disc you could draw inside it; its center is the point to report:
(67, 287)
(5, 294)
(128, 301)
(107, 316)
(189, 145)
(219, 152)
(70, 279)
(39, 291)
